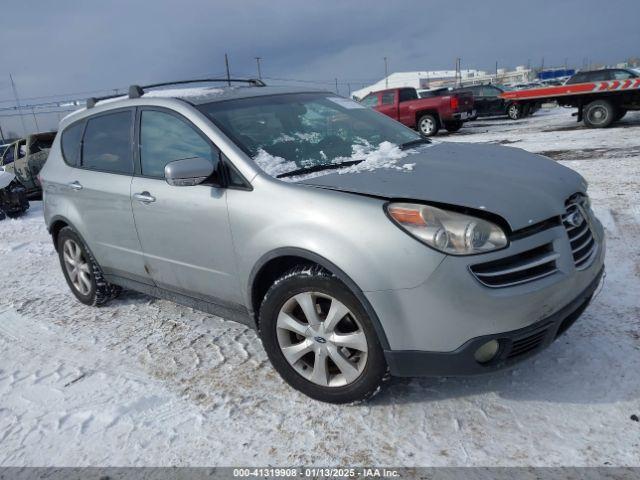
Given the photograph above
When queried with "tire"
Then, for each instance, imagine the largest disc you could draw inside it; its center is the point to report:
(453, 126)
(599, 114)
(620, 114)
(88, 283)
(347, 375)
(428, 125)
(515, 111)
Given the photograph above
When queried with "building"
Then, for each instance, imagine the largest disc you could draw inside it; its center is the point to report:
(447, 78)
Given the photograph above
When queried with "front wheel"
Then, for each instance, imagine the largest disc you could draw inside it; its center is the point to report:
(453, 126)
(428, 125)
(319, 337)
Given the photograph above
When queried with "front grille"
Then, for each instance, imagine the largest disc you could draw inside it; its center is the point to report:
(523, 267)
(576, 223)
(527, 344)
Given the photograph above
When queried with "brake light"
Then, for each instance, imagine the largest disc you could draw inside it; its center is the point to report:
(454, 103)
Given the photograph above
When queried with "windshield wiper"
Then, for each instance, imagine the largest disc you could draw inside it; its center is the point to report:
(413, 143)
(318, 168)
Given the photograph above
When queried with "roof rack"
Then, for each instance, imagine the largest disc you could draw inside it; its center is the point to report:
(136, 91)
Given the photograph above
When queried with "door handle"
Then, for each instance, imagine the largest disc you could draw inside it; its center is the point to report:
(144, 197)
(75, 185)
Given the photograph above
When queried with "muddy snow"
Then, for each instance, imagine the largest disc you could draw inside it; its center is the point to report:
(143, 381)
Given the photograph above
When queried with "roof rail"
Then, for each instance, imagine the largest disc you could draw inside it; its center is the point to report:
(136, 91)
(91, 102)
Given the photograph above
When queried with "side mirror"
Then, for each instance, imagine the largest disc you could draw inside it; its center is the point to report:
(188, 172)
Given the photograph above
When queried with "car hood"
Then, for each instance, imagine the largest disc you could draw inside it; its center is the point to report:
(521, 187)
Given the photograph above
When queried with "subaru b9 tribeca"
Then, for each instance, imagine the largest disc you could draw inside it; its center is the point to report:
(355, 247)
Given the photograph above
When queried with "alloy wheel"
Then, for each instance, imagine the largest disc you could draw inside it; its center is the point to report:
(77, 267)
(322, 339)
(427, 126)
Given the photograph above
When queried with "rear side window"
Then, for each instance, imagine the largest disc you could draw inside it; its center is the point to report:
(70, 142)
(407, 94)
(107, 143)
(577, 78)
(165, 138)
(388, 98)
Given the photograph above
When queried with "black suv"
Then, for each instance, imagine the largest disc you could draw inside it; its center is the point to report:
(602, 75)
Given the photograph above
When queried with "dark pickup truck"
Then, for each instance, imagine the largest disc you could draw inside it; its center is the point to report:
(427, 115)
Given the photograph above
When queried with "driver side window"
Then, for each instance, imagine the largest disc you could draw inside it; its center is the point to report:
(165, 138)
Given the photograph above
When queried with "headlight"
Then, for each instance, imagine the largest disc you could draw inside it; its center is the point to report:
(446, 231)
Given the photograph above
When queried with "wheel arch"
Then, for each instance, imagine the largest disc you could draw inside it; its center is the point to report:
(276, 262)
(434, 112)
(58, 222)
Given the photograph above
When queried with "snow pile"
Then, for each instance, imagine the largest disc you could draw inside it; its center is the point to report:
(386, 155)
(273, 165)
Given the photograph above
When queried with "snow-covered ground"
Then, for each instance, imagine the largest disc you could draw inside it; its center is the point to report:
(146, 382)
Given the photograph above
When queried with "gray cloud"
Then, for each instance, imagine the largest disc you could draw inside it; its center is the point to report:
(77, 46)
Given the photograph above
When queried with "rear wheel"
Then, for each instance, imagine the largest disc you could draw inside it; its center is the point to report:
(515, 111)
(428, 125)
(453, 126)
(82, 272)
(599, 114)
(319, 337)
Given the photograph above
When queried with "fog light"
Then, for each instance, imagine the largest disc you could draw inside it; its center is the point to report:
(487, 351)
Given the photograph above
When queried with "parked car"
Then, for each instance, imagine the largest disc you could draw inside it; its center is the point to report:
(488, 102)
(25, 158)
(602, 75)
(354, 246)
(13, 196)
(427, 115)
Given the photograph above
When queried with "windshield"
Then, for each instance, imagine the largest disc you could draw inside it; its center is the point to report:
(286, 133)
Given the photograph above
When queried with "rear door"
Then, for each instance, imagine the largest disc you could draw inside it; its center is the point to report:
(405, 114)
(184, 231)
(98, 190)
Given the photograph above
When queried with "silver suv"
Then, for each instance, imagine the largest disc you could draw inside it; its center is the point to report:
(357, 248)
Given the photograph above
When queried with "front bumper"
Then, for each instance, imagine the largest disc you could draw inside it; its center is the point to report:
(514, 346)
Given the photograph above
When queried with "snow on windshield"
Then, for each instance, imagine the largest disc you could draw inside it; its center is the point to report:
(386, 155)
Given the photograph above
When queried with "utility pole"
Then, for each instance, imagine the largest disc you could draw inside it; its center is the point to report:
(258, 63)
(15, 95)
(35, 120)
(542, 65)
(226, 65)
(386, 73)
(337, 85)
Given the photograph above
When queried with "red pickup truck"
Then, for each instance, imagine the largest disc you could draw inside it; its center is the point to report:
(427, 115)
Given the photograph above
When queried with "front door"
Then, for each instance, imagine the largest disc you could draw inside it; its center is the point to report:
(184, 231)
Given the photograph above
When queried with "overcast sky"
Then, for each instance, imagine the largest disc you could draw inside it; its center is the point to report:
(62, 46)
